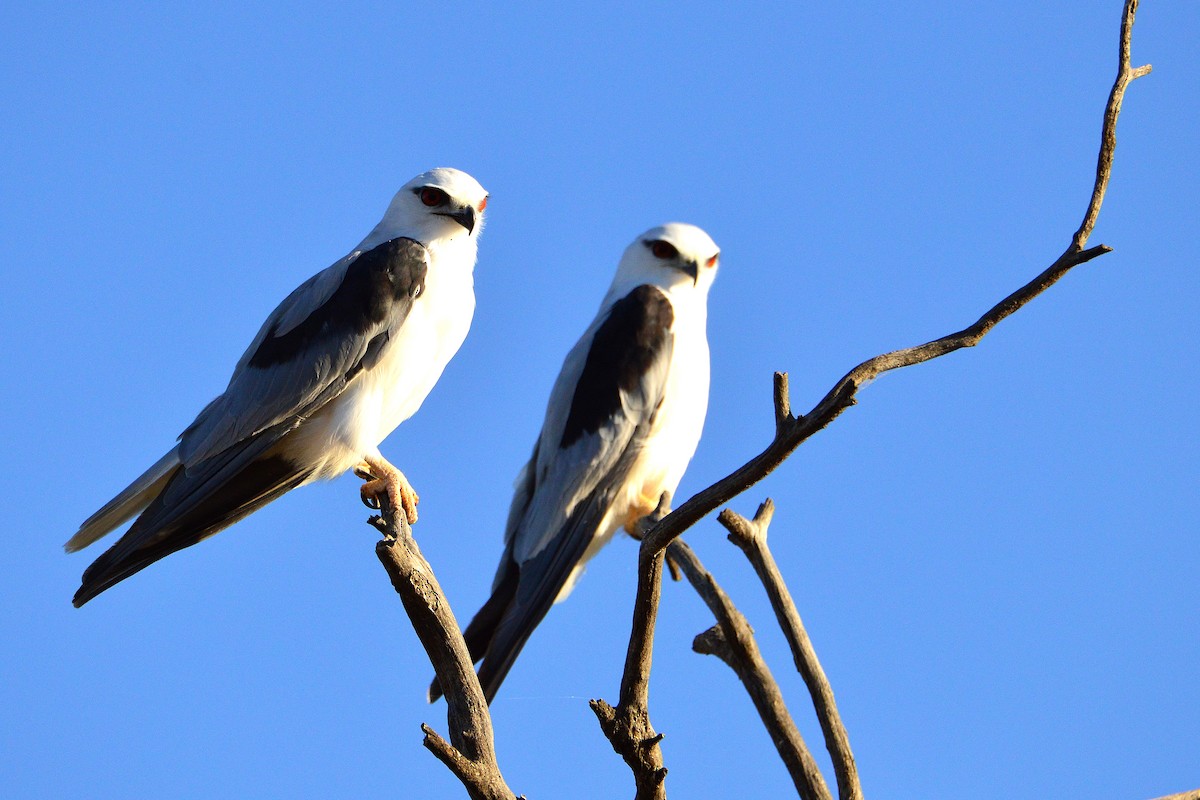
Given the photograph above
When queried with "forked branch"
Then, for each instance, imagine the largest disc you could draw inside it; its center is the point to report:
(732, 640)
(751, 537)
(791, 432)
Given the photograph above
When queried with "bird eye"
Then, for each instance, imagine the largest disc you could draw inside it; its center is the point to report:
(712, 261)
(483, 203)
(432, 196)
(662, 250)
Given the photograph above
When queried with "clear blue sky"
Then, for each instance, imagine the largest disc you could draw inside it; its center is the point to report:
(996, 554)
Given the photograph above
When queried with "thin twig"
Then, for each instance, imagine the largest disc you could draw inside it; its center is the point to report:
(471, 753)
(732, 640)
(751, 537)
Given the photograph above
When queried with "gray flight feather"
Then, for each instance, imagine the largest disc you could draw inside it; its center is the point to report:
(260, 397)
(562, 497)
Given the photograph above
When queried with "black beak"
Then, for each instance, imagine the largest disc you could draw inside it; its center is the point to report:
(465, 217)
(692, 269)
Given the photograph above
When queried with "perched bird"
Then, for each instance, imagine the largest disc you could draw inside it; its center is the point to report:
(342, 361)
(623, 421)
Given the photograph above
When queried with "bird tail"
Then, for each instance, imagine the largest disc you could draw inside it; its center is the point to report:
(522, 596)
(132, 500)
(194, 504)
(482, 630)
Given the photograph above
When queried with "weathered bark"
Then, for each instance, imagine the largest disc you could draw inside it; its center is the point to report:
(471, 753)
(751, 537)
(732, 641)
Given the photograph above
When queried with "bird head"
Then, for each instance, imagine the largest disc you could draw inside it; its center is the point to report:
(673, 257)
(436, 207)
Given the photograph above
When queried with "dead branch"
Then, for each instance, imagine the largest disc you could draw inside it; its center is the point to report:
(470, 754)
(732, 640)
(643, 754)
(791, 431)
(628, 725)
(751, 537)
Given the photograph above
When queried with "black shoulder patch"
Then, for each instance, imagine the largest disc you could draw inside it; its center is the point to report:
(393, 272)
(623, 349)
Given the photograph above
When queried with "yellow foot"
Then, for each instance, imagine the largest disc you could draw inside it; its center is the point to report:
(645, 512)
(384, 479)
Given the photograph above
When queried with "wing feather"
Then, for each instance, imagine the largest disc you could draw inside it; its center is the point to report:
(311, 346)
(600, 415)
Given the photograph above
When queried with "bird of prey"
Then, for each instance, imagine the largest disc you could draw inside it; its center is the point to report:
(623, 421)
(343, 360)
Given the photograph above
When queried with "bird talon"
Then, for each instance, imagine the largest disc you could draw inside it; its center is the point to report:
(408, 500)
(646, 513)
(370, 492)
(399, 492)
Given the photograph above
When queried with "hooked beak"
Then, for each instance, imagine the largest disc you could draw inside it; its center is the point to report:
(692, 269)
(464, 216)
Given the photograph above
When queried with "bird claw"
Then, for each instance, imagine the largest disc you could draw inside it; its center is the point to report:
(640, 520)
(369, 498)
(398, 491)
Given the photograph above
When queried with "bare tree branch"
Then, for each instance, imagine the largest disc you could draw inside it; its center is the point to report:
(628, 725)
(1126, 73)
(643, 754)
(1193, 795)
(732, 640)
(795, 431)
(470, 754)
(751, 537)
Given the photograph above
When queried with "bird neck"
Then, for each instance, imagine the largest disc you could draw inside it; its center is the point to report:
(455, 255)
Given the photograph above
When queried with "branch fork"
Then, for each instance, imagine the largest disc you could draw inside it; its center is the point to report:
(792, 431)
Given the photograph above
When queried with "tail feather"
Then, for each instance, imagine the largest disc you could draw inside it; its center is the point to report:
(503, 626)
(479, 633)
(508, 639)
(193, 505)
(132, 500)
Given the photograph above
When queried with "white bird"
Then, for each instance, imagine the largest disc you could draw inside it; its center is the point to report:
(343, 360)
(623, 421)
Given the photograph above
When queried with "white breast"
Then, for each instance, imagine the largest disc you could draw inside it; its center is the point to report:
(379, 399)
(680, 421)
(673, 440)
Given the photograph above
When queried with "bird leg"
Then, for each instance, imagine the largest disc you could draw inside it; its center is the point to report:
(645, 512)
(639, 524)
(382, 478)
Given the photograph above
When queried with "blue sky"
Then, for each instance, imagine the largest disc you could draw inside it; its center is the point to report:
(995, 553)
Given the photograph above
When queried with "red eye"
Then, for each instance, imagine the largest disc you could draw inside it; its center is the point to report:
(432, 196)
(712, 261)
(662, 250)
(483, 205)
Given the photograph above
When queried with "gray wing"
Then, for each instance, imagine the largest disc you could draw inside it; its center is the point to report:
(601, 411)
(312, 345)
